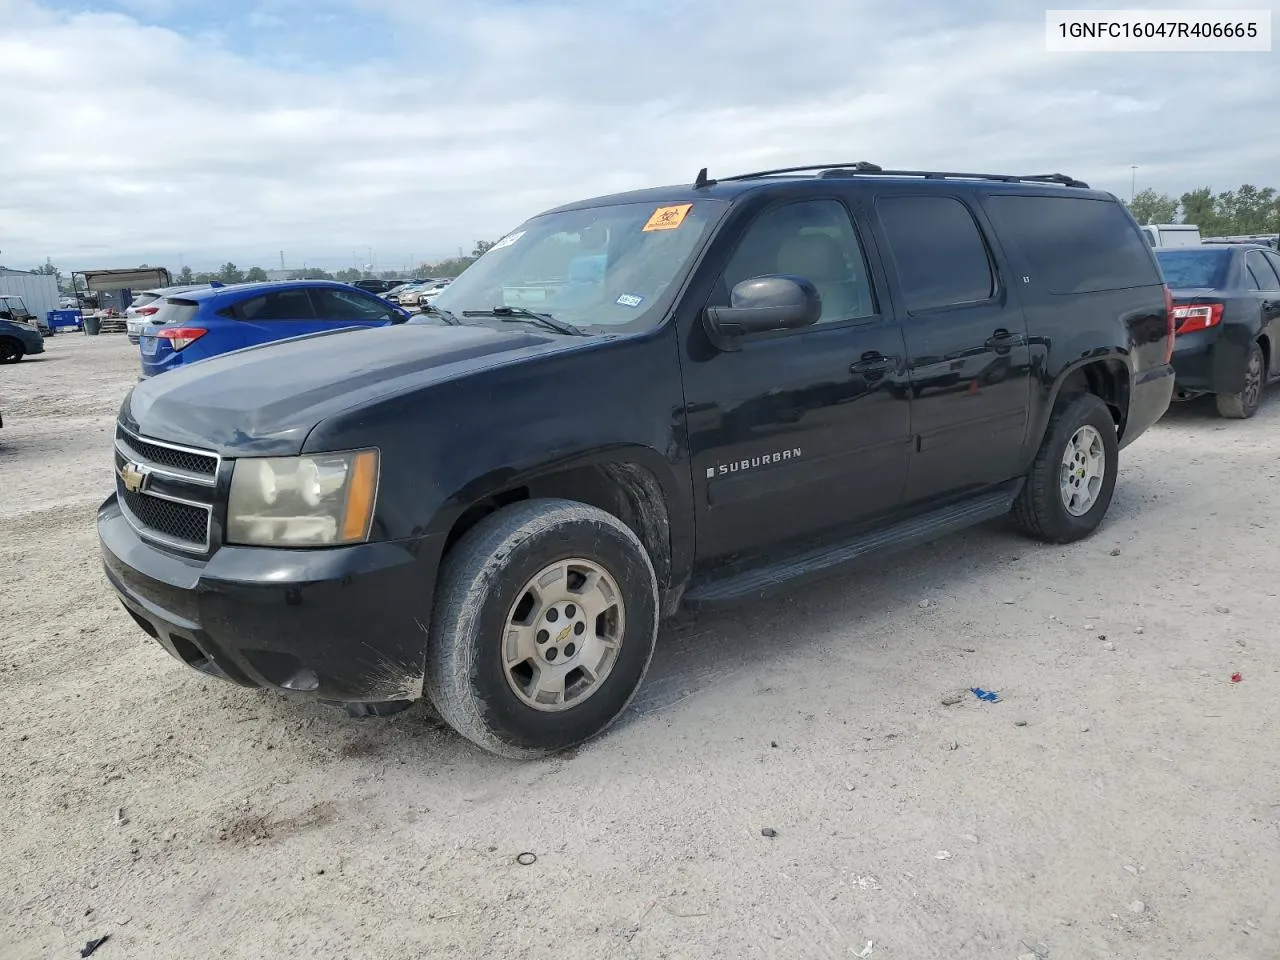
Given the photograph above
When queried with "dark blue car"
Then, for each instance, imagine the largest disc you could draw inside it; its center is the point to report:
(204, 323)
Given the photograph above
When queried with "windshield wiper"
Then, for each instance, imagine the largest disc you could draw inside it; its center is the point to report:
(520, 313)
(446, 315)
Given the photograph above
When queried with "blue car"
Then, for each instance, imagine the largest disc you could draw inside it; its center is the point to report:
(204, 323)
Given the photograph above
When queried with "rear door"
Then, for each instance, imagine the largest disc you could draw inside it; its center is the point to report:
(350, 308)
(276, 316)
(966, 342)
(1264, 267)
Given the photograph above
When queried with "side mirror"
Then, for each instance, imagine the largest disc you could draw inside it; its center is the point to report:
(763, 305)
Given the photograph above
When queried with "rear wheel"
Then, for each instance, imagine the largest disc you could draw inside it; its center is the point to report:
(1069, 487)
(1243, 405)
(544, 625)
(11, 351)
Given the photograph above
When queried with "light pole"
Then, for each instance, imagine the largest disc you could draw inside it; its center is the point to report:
(1133, 182)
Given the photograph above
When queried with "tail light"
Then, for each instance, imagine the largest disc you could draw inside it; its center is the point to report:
(1190, 317)
(180, 337)
(1168, 313)
(148, 311)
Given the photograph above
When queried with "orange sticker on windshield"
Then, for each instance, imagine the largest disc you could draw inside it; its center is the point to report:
(668, 218)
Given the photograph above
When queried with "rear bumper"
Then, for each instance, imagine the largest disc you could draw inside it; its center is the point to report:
(154, 365)
(1211, 361)
(347, 624)
(1149, 398)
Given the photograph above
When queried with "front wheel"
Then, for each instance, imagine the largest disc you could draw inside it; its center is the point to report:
(545, 621)
(1069, 487)
(1243, 405)
(11, 351)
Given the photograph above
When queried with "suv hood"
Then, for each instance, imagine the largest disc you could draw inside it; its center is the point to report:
(265, 400)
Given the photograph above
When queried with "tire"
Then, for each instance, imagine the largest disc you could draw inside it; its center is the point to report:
(1041, 509)
(481, 596)
(1243, 405)
(11, 351)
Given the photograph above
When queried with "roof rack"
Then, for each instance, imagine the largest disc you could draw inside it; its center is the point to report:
(863, 168)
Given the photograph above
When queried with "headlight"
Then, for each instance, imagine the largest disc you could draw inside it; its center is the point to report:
(320, 500)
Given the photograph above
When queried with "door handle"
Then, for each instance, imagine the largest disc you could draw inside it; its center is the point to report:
(875, 364)
(1002, 341)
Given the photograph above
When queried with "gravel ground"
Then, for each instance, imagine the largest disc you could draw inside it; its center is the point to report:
(1121, 800)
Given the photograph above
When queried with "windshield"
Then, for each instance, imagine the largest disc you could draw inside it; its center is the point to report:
(602, 268)
(1196, 267)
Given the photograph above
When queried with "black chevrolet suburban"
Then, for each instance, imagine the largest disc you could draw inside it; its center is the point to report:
(678, 396)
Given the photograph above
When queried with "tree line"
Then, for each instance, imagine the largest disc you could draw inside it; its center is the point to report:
(230, 273)
(1245, 210)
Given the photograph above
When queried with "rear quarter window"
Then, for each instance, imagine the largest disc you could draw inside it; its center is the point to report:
(1074, 244)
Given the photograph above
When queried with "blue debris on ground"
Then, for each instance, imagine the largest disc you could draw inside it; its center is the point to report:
(990, 696)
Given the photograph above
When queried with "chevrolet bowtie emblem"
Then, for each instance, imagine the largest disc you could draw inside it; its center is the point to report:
(133, 476)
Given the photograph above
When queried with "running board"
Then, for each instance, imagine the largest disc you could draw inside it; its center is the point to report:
(937, 523)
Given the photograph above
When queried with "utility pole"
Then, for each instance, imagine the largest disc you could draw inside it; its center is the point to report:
(281, 259)
(1133, 183)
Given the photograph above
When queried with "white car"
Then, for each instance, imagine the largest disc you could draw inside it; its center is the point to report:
(426, 293)
(147, 304)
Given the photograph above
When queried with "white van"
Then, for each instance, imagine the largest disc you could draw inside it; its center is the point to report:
(1172, 234)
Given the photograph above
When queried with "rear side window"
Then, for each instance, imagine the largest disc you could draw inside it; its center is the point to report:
(938, 250)
(1074, 244)
(285, 305)
(1190, 268)
(142, 299)
(1262, 272)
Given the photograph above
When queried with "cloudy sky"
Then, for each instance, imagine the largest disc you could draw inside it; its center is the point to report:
(200, 131)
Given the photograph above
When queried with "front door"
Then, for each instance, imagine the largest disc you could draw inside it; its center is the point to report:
(968, 356)
(798, 432)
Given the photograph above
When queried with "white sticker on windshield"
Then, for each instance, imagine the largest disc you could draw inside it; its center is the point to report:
(508, 240)
(630, 300)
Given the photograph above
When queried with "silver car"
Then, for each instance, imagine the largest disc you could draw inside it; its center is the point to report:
(147, 304)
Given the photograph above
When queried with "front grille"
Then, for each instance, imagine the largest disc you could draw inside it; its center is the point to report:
(175, 521)
(203, 464)
(175, 489)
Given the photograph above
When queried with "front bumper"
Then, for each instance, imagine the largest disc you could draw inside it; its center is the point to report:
(33, 346)
(346, 624)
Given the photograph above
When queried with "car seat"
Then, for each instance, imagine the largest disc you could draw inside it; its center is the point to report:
(819, 259)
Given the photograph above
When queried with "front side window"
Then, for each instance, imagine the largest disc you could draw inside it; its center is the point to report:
(341, 305)
(939, 253)
(600, 268)
(813, 239)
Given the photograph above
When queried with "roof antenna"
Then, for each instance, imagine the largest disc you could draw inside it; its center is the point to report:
(702, 181)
